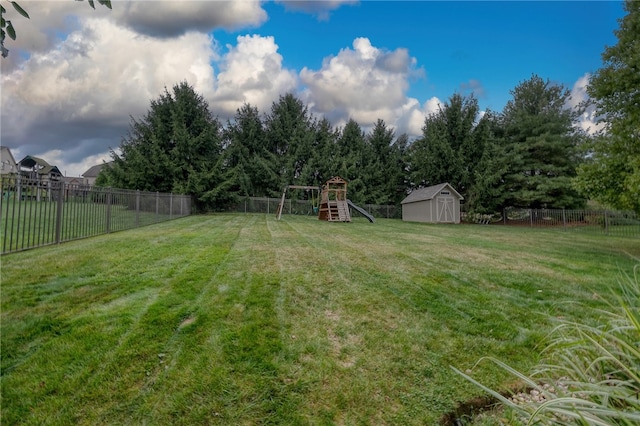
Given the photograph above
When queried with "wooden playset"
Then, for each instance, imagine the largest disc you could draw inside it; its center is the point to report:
(334, 204)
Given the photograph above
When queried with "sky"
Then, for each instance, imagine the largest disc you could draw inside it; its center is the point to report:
(75, 76)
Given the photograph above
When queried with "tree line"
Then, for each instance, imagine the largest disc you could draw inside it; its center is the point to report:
(525, 156)
(531, 154)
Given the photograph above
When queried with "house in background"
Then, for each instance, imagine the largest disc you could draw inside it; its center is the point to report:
(37, 169)
(73, 180)
(434, 204)
(8, 165)
(91, 175)
(37, 178)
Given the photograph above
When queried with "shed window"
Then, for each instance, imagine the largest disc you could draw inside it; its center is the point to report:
(445, 193)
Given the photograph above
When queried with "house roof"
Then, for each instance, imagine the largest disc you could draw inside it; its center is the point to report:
(93, 170)
(31, 161)
(44, 167)
(9, 164)
(50, 170)
(424, 194)
(72, 180)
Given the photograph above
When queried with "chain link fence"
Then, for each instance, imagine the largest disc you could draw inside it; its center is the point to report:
(306, 207)
(609, 222)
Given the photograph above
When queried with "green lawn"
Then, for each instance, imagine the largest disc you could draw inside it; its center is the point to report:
(242, 319)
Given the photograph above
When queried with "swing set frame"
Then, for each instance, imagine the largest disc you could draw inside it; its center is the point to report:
(305, 187)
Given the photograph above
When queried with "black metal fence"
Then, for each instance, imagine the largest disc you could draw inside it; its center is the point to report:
(609, 222)
(306, 207)
(35, 213)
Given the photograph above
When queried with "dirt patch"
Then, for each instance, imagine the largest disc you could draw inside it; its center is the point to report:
(473, 407)
(468, 409)
(186, 322)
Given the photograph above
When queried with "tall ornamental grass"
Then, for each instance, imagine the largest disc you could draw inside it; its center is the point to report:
(591, 375)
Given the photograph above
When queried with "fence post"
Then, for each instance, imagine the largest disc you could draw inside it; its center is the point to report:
(171, 206)
(564, 220)
(504, 215)
(137, 208)
(606, 222)
(531, 217)
(108, 215)
(19, 187)
(59, 211)
(157, 205)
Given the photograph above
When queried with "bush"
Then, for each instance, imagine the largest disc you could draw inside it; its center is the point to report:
(592, 373)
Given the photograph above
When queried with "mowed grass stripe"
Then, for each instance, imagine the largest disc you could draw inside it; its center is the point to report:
(157, 338)
(243, 319)
(145, 325)
(381, 337)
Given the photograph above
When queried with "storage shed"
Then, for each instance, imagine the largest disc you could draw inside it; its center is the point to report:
(434, 204)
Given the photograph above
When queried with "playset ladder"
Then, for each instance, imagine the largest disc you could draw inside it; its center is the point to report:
(335, 211)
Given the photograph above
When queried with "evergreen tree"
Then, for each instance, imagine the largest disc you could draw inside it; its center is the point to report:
(381, 172)
(612, 173)
(249, 167)
(290, 138)
(400, 154)
(485, 194)
(449, 147)
(325, 156)
(197, 143)
(173, 148)
(352, 154)
(540, 144)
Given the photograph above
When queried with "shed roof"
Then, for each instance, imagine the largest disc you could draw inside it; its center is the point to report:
(428, 193)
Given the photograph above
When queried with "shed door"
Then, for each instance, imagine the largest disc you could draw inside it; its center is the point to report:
(445, 209)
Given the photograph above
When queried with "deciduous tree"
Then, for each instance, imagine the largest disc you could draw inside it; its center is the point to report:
(611, 174)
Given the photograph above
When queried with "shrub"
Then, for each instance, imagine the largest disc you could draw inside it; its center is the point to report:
(591, 375)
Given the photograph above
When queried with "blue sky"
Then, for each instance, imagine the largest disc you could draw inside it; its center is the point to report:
(75, 75)
(497, 43)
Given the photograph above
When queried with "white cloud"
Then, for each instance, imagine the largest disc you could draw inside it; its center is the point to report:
(169, 18)
(80, 96)
(587, 120)
(411, 117)
(251, 72)
(51, 20)
(83, 92)
(71, 100)
(365, 83)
